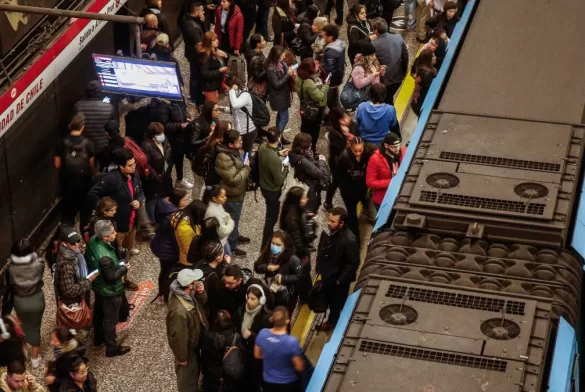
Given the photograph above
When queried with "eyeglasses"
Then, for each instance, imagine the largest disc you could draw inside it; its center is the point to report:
(131, 165)
(82, 372)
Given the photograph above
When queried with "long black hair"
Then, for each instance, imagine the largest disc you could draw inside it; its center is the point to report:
(291, 208)
(195, 212)
(206, 114)
(274, 56)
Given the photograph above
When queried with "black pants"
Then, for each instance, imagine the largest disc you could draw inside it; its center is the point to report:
(333, 97)
(272, 200)
(336, 295)
(313, 128)
(248, 140)
(249, 14)
(178, 156)
(195, 83)
(164, 282)
(391, 90)
(106, 313)
(262, 20)
(269, 387)
(73, 201)
(352, 217)
(334, 182)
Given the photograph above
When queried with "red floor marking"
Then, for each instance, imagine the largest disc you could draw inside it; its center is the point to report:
(138, 298)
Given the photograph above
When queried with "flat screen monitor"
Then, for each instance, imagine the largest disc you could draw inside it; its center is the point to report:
(125, 75)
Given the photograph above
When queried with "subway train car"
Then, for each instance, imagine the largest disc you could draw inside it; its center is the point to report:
(473, 276)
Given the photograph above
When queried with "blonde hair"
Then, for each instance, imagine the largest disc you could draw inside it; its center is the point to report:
(320, 22)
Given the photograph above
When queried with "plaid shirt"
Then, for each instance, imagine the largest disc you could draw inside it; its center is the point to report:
(68, 286)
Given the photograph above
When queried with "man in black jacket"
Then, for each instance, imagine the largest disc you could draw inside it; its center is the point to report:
(338, 258)
(334, 63)
(193, 28)
(97, 113)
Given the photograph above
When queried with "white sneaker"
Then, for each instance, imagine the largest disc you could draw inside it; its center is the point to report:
(135, 252)
(36, 362)
(184, 183)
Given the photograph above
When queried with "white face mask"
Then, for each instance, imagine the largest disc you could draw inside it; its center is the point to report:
(160, 138)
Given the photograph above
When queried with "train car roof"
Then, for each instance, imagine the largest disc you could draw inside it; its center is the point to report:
(519, 60)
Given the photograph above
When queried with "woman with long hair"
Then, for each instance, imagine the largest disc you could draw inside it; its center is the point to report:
(221, 335)
(342, 128)
(209, 234)
(215, 197)
(295, 222)
(187, 225)
(25, 278)
(309, 87)
(164, 244)
(424, 72)
(283, 22)
(359, 30)
(213, 66)
(280, 78)
(281, 268)
(229, 26)
(366, 69)
(241, 104)
(309, 169)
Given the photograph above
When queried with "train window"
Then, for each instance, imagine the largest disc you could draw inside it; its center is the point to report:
(575, 379)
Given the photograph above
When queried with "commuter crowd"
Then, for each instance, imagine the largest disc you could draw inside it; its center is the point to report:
(228, 327)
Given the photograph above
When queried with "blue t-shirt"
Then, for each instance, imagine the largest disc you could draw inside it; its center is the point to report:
(278, 352)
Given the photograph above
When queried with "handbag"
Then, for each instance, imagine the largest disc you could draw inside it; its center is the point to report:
(309, 107)
(351, 96)
(76, 316)
(289, 57)
(296, 45)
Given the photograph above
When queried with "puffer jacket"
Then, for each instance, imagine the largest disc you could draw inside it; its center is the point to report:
(184, 235)
(308, 171)
(307, 36)
(357, 33)
(171, 115)
(351, 175)
(102, 256)
(379, 174)
(214, 345)
(159, 180)
(334, 61)
(238, 101)
(279, 89)
(232, 173)
(234, 26)
(164, 244)
(97, 113)
(226, 223)
(26, 274)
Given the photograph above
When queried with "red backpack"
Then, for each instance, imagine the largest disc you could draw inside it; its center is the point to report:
(139, 155)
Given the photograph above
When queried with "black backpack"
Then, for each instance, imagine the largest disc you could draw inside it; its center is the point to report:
(373, 7)
(260, 113)
(75, 159)
(234, 361)
(254, 182)
(209, 174)
(317, 299)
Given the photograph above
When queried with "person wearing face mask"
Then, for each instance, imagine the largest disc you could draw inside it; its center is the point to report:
(158, 181)
(351, 170)
(249, 320)
(186, 324)
(108, 286)
(164, 244)
(338, 258)
(281, 267)
(383, 166)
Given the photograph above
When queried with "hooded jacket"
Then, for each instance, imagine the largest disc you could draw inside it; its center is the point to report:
(232, 173)
(279, 89)
(97, 113)
(164, 244)
(185, 322)
(334, 57)
(26, 274)
(379, 173)
(192, 30)
(357, 33)
(375, 121)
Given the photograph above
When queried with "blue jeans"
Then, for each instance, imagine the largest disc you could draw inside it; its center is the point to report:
(281, 120)
(235, 211)
(410, 13)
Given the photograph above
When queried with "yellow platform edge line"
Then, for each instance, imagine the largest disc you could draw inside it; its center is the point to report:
(304, 320)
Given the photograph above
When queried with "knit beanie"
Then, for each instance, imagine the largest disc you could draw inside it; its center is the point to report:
(450, 5)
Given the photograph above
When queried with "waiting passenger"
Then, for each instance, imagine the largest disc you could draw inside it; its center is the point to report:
(376, 118)
(383, 166)
(424, 72)
(15, 379)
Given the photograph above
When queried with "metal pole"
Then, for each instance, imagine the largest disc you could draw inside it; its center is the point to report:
(136, 28)
(71, 14)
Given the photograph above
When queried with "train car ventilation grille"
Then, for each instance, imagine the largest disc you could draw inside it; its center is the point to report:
(482, 203)
(398, 314)
(368, 346)
(443, 180)
(531, 190)
(504, 162)
(455, 299)
(500, 329)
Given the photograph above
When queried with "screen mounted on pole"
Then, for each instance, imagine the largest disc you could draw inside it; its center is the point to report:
(124, 75)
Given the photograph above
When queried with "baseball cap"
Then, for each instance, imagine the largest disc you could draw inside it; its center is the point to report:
(162, 39)
(188, 276)
(69, 235)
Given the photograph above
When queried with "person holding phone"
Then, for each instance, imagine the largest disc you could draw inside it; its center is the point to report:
(241, 104)
(279, 85)
(186, 324)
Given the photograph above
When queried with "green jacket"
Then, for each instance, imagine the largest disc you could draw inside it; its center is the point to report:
(232, 173)
(311, 90)
(184, 324)
(272, 173)
(109, 280)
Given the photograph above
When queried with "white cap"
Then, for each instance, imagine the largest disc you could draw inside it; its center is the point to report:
(188, 276)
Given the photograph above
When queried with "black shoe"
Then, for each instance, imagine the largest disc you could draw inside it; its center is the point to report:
(268, 39)
(121, 350)
(243, 240)
(238, 252)
(338, 22)
(284, 141)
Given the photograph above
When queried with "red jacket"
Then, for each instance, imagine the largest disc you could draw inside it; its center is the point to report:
(379, 175)
(235, 27)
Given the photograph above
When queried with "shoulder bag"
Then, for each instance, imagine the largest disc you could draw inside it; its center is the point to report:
(309, 107)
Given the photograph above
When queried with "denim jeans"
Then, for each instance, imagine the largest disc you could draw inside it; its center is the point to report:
(235, 211)
(410, 13)
(282, 119)
(150, 205)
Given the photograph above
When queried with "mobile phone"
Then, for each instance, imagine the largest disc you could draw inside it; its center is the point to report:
(285, 160)
(107, 99)
(295, 66)
(328, 77)
(92, 274)
(246, 156)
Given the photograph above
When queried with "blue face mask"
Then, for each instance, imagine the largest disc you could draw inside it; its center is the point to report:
(160, 138)
(275, 249)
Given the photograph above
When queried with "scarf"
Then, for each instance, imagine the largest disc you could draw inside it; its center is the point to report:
(249, 316)
(176, 290)
(80, 265)
(281, 67)
(65, 348)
